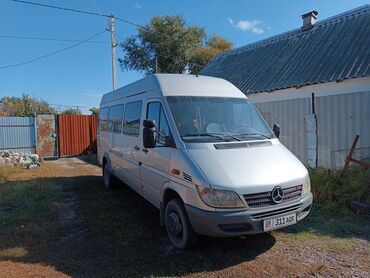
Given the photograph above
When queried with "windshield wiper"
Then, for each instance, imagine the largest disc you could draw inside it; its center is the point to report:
(254, 134)
(215, 135)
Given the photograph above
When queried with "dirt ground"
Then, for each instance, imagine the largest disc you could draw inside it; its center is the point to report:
(59, 221)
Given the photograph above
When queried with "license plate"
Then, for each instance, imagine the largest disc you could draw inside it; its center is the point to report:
(278, 222)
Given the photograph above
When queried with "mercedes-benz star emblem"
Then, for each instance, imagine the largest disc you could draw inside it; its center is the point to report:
(277, 194)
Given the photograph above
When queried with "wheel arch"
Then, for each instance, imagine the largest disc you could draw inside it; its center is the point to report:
(169, 191)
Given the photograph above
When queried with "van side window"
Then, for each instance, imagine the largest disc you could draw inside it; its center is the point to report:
(103, 119)
(155, 112)
(131, 123)
(115, 117)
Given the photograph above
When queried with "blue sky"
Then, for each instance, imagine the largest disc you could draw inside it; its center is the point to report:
(81, 75)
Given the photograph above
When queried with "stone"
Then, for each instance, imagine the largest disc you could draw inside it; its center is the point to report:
(35, 157)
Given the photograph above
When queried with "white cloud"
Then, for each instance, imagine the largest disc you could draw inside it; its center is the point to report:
(247, 25)
(138, 5)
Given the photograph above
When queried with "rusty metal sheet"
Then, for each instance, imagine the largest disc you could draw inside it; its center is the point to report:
(77, 134)
(46, 135)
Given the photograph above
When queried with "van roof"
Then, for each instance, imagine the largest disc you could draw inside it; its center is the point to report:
(177, 85)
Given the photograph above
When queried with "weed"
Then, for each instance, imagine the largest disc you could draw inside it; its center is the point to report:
(5, 173)
(334, 192)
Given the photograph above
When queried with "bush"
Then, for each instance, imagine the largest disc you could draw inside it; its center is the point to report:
(331, 190)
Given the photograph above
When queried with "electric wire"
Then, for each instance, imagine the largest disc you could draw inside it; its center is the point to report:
(97, 14)
(60, 8)
(53, 53)
(48, 39)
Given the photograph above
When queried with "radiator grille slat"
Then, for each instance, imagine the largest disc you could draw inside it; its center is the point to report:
(263, 199)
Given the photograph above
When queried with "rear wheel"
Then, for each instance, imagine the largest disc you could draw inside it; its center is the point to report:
(178, 225)
(108, 178)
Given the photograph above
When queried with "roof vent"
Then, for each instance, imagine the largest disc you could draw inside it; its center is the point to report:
(309, 20)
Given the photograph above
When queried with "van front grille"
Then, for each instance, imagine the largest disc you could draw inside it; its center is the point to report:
(264, 199)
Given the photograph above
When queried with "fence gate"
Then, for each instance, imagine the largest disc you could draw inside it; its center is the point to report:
(77, 134)
(17, 134)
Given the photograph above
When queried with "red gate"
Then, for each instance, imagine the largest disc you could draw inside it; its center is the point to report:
(77, 134)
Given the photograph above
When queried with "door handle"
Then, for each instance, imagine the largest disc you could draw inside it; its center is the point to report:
(136, 148)
(145, 150)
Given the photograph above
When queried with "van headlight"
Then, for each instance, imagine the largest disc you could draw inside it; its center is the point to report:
(220, 198)
(307, 185)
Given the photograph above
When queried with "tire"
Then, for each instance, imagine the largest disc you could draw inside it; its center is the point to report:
(108, 178)
(178, 226)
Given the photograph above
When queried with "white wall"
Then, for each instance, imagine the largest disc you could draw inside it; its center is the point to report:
(324, 89)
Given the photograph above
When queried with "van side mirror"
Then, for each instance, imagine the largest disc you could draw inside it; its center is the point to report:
(149, 132)
(276, 130)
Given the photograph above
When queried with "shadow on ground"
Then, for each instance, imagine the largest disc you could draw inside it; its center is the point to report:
(95, 232)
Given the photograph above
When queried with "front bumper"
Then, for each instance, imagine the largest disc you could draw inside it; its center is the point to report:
(235, 223)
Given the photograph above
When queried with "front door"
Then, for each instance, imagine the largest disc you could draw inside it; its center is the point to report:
(156, 161)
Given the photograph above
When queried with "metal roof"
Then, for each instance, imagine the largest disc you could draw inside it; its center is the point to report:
(335, 49)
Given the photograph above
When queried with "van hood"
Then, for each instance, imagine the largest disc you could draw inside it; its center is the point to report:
(246, 167)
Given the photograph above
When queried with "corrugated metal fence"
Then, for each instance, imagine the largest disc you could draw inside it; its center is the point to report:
(290, 116)
(18, 134)
(73, 135)
(77, 134)
(339, 119)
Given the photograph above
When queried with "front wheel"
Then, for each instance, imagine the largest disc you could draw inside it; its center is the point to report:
(178, 226)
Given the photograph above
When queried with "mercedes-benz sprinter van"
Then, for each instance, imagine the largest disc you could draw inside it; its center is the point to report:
(199, 151)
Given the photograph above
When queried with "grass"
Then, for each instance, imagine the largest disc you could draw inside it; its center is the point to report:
(26, 202)
(333, 192)
(6, 172)
(59, 219)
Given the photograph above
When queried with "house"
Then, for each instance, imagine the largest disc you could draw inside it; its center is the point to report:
(313, 81)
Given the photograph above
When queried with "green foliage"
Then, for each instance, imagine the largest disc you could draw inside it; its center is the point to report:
(26, 202)
(94, 111)
(72, 111)
(333, 191)
(174, 44)
(24, 107)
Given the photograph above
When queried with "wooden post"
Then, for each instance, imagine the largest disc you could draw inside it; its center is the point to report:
(349, 157)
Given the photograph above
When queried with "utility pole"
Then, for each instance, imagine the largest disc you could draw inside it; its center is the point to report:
(113, 41)
(156, 65)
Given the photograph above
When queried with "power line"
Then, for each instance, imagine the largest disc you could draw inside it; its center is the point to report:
(48, 39)
(77, 11)
(129, 22)
(60, 8)
(52, 53)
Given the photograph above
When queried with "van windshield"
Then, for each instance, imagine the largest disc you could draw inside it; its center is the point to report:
(212, 119)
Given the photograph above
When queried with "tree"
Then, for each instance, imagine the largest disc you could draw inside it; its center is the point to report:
(24, 107)
(72, 111)
(94, 111)
(214, 46)
(173, 44)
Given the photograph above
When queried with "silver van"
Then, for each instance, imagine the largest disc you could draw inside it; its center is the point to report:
(199, 151)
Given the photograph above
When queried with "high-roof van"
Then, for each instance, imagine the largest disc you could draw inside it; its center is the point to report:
(198, 150)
